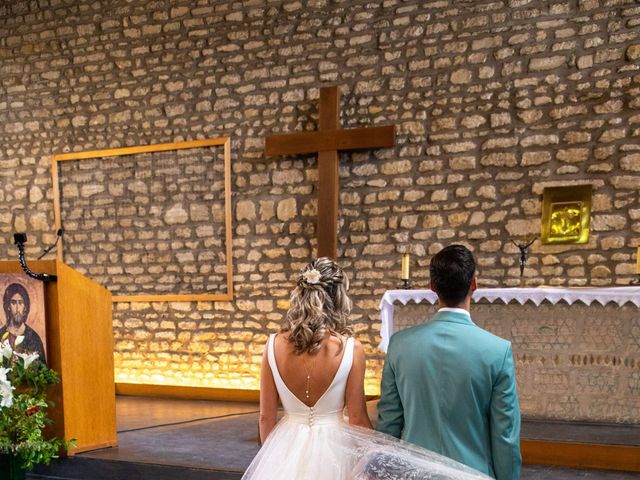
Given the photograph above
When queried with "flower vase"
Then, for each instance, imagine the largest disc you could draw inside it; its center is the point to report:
(10, 468)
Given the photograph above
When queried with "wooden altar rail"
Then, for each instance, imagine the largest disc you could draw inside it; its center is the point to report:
(581, 455)
(188, 393)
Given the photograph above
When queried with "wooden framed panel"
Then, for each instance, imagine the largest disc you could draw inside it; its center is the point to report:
(158, 214)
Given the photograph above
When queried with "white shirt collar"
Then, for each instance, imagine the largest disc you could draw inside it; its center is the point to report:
(456, 310)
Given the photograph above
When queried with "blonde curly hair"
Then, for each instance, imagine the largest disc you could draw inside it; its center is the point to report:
(319, 305)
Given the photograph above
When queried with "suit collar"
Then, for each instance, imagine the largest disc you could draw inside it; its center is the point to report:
(455, 316)
(458, 310)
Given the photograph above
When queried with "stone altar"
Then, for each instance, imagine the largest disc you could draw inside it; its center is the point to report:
(577, 351)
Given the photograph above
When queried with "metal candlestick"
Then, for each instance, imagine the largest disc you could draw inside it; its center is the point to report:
(406, 284)
(406, 268)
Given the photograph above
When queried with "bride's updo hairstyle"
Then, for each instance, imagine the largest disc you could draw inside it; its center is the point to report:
(319, 305)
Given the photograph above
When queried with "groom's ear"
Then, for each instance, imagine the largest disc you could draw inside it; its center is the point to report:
(474, 284)
(431, 286)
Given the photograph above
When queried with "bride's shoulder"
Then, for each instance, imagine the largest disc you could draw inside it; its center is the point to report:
(347, 338)
(338, 339)
(343, 340)
(358, 348)
(280, 336)
(276, 339)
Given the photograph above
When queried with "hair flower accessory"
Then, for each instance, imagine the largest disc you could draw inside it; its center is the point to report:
(312, 276)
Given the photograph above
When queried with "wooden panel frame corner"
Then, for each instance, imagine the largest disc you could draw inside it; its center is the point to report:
(225, 142)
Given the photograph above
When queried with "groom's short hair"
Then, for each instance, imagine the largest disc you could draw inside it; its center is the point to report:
(452, 270)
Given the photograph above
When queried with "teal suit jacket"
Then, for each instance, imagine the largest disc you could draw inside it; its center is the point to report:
(450, 386)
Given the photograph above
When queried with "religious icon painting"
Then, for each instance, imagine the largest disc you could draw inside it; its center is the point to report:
(23, 313)
(566, 214)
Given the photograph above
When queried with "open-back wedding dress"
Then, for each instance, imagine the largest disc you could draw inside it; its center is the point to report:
(316, 443)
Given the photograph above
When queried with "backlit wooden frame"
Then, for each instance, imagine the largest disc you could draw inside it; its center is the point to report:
(225, 142)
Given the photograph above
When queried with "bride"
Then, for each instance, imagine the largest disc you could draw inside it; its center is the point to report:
(316, 368)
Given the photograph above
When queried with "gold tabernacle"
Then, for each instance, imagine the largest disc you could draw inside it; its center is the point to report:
(566, 213)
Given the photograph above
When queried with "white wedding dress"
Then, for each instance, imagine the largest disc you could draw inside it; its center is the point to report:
(316, 443)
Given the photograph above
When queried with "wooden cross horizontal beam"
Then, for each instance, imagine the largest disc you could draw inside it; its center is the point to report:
(327, 142)
(330, 140)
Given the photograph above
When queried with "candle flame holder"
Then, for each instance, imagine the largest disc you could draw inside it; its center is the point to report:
(406, 284)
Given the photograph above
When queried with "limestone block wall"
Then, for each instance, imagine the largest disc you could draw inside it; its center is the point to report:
(492, 101)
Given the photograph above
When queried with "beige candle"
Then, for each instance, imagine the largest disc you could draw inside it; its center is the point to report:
(405, 266)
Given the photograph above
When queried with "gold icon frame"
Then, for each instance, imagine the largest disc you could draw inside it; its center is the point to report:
(566, 214)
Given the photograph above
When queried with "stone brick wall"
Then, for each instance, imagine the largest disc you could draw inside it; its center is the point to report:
(493, 101)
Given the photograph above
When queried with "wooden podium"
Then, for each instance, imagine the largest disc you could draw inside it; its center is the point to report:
(80, 349)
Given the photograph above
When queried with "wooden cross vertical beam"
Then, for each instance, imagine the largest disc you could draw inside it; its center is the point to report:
(328, 177)
(327, 142)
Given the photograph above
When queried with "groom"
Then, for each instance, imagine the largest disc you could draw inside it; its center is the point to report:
(449, 385)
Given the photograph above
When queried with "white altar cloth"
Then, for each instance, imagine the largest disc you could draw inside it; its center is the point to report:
(617, 295)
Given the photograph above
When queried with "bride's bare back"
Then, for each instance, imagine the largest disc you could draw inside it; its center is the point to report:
(320, 366)
(292, 371)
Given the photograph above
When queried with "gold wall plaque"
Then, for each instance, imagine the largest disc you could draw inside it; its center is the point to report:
(566, 214)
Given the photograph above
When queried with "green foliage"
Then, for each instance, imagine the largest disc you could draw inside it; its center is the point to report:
(24, 414)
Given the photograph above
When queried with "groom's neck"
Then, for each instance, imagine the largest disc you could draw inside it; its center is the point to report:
(465, 304)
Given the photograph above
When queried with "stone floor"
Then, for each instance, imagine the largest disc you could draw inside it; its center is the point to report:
(195, 440)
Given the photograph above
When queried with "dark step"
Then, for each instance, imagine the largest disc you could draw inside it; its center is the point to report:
(92, 469)
(87, 468)
(165, 439)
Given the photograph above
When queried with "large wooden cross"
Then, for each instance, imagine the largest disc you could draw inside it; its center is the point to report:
(327, 142)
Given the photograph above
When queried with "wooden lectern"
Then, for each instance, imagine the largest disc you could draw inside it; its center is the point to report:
(80, 349)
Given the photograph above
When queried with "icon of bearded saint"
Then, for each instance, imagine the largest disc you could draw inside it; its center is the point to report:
(16, 305)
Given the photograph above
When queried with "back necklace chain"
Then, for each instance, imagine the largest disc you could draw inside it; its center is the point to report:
(308, 371)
